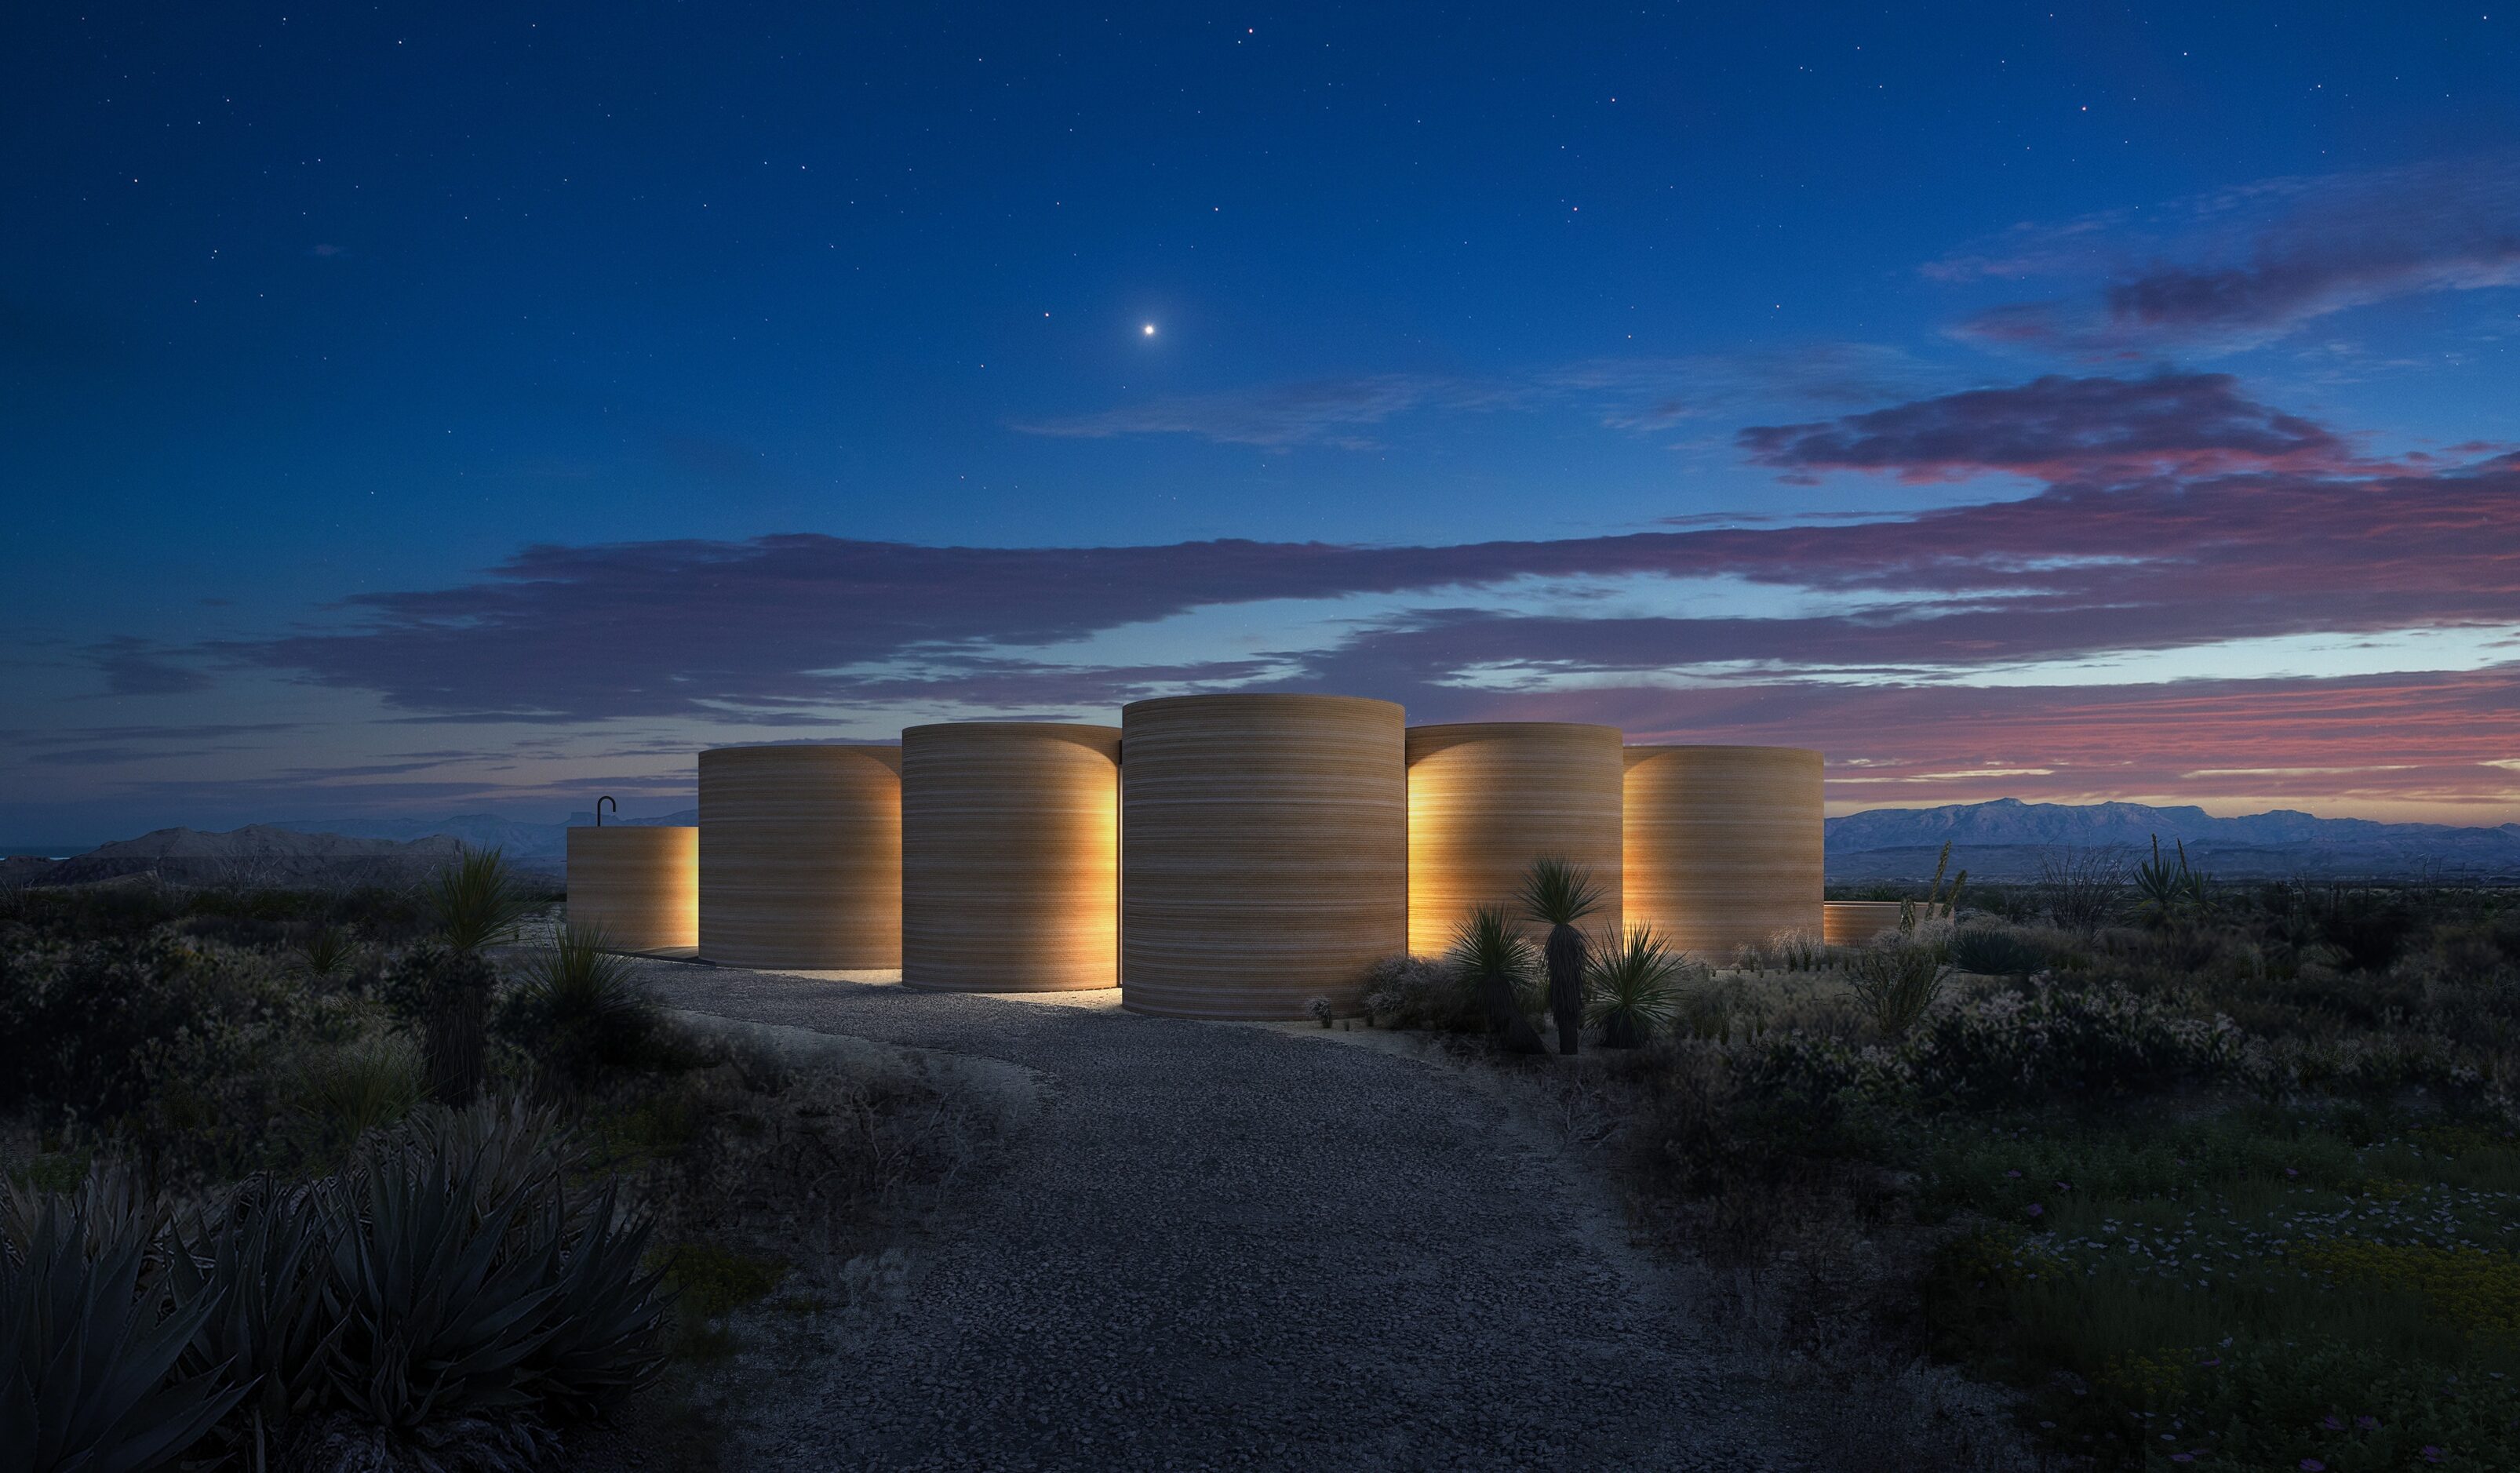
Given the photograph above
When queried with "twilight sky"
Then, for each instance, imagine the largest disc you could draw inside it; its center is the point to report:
(408, 411)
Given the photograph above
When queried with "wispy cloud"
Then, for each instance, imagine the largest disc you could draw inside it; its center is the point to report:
(2243, 267)
(2179, 513)
(1639, 394)
(138, 667)
(2061, 429)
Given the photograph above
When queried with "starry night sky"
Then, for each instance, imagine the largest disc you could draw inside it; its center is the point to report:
(413, 412)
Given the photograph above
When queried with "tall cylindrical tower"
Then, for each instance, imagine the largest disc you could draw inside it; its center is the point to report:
(1723, 844)
(1487, 798)
(1009, 856)
(801, 856)
(1264, 852)
(638, 885)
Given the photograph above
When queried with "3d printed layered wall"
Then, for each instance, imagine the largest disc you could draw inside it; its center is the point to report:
(1487, 798)
(1011, 857)
(1723, 844)
(1265, 852)
(638, 886)
(800, 857)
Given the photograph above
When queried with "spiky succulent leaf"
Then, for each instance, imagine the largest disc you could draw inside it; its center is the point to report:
(1634, 982)
(87, 1341)
(475, 900)
(1557, 891)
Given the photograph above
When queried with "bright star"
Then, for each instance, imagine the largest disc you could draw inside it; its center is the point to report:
(1149, 329)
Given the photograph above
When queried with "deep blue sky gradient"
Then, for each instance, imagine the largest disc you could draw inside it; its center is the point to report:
(299, 308)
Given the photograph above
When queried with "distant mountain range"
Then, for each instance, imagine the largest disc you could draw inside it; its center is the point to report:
(388, 851)
(2008, 838)
(2005, 840)
(536, 846)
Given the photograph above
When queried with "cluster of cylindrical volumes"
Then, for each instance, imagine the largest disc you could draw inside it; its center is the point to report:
(1213, 855)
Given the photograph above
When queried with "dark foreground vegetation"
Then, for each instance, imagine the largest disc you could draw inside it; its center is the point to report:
(353, 1181)
(2208, 1176)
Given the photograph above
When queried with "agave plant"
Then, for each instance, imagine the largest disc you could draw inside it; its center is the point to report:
(1495, 961)
(263, 1259)
(1635, 983)
(88, 1347)
(1558, 894)
(607, 1319)
(437, 1317)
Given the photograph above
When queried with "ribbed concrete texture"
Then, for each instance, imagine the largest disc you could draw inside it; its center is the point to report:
(1011, 857)
(1264, 852)
(1487, 798)
(1723, 845)
(1854, 922)
(638, 885)
(801, 856)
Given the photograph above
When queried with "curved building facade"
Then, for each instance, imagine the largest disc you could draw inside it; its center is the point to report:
(800, 857)
(1487, 798)
(1011, 857)
(1723, 844)
(636, 885)
(1264, 852)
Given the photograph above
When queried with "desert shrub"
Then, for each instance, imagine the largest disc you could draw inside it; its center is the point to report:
(344, 1092)
(2052, 1041)
(146, 1030)
(2010, 951)
(1402, 991)
(580, 1010)
(1788, 950)
(1897, 980)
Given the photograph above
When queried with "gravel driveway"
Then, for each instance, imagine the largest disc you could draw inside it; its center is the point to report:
(1228, 1246)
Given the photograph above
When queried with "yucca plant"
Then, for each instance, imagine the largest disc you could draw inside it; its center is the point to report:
(1493, 960)
(88, 1345)
(477, 905)
(581, 1007)
(264, 1255)
(326, 952)
(2166, 893)
(474, 900)
(1634, 982)
(1558, 894)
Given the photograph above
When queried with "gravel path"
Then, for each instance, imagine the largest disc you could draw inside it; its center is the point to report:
(1226, 1247)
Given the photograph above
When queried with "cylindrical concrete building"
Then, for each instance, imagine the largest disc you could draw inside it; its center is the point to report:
(638, 886)
(800, 857)
(1011, 857)
(1487, 798)
(1723, 844)
(1264, 852)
